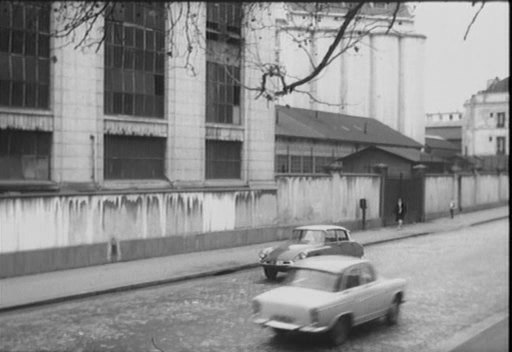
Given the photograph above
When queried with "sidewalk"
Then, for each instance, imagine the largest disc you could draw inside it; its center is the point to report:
(58, 285)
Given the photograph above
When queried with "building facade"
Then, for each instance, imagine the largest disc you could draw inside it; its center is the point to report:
(486, 124)
(447, 125)
(379, 76)
(132, 110)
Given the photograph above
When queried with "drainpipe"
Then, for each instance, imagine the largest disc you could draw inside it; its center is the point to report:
(93, 146)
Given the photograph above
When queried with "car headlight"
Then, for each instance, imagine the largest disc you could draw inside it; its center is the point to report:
(263, 253)
(300, 256)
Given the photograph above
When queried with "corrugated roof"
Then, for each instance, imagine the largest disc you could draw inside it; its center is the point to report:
(498, 86)
(296, 122)
(413, 155)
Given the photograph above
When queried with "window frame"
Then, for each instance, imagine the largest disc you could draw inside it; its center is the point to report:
(215, 157)
(134, 61)
(27, 80)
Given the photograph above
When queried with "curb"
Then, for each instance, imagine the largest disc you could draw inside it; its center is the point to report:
(216, 272)
(468, 333)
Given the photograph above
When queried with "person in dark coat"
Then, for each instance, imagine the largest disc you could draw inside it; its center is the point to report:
(400, 210)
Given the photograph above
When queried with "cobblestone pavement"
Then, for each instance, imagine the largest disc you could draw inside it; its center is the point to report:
(455, 279)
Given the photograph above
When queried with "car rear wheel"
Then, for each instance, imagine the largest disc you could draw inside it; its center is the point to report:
(393, 312)
(270, 273)
(339, 332)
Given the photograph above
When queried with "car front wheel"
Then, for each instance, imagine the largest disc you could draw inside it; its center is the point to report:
(339, 332)
(393, 312)
(270, 273)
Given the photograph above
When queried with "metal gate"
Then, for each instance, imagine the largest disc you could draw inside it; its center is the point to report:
(411, 190)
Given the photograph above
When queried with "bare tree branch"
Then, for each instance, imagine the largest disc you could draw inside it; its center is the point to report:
(473, 19)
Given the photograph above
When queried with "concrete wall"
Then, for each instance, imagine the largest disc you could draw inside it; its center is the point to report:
(476, 191)
(303, 200)
(483, 189)
(439, 191)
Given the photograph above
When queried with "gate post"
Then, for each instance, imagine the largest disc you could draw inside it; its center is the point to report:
(382, 169)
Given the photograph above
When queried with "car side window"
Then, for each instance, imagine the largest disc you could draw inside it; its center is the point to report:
(330, 236)
(342, 235)
(352, 278)
(367, 274)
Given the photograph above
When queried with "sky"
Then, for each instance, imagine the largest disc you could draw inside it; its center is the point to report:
(455, 69)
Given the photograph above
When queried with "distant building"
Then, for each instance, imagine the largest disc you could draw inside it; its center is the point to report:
(486, 125)
(399, 161)
(308, 141)
(382, 76)
(447, 125)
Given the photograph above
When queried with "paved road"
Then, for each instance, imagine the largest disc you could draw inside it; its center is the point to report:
(454, 280)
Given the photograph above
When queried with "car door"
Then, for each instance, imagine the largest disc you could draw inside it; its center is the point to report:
(354, 292)
(331, 242)
(346, 246)
(372, 292)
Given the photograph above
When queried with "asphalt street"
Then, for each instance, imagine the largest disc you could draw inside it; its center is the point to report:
(455, 279)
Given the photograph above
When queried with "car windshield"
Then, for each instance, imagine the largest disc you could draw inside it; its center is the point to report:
(308, 236)
(314, 279)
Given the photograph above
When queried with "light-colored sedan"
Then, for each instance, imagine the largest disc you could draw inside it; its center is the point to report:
(329, 294)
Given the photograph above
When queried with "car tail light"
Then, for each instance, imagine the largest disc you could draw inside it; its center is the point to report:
(256, 306)
(314, 315)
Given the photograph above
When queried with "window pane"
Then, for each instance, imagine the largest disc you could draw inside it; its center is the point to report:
(17, 68)
(148, 61)
(43, 68)
(25, 155)
(17, 93)
(223, 159)
(30, 69)
(5, 36)
(128, 104)
(18, 38)
(134, 157)
(42, 96)
(44, 45)
(30, 95)
(5, 68)
(5, 92)
(159, 85)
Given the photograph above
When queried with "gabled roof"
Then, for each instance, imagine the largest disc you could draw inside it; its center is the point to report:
(409, 154)
(498, 86)
(435, 142)
(296, 122)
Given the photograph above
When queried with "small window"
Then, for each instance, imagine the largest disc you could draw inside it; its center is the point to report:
(342, 235)
(352, 279)
(500, 147)
(490, 139)
(367, 274)
(500, 123)
(451, 117)
(25, 155)
(330, 236)
(281, 163)
(492, 115)
(295, 164)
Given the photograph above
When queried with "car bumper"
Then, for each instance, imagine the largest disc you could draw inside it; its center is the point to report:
(277, 265)
(290, 327)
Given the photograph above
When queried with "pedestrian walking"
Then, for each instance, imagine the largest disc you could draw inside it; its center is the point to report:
(400, 210)
(452, 208)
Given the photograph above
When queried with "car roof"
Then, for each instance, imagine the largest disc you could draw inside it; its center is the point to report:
(330, 263)
(321, 227)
